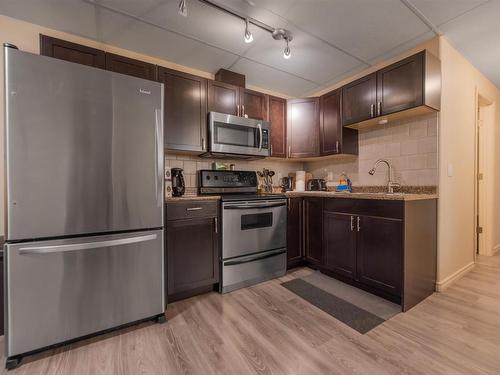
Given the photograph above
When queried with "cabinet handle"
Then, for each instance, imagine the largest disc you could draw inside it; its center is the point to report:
(289, 151)
(372, 110)
(243, 110)
(237, 109)
(379, 108)
(216, 224)
(194, 208)
(337, 147)
(203, 144)
(358, 221)
(271, 149)
(352, 223)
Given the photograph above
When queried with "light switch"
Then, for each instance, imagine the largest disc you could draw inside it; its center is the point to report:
(450, 170)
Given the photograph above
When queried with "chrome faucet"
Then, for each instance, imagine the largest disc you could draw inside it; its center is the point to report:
(391, 184)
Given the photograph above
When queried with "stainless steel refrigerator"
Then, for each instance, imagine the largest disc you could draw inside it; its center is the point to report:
(84, 201)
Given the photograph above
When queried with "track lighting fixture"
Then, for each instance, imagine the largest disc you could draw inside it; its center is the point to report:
(287, 53)
(183, 8)
(248, 33)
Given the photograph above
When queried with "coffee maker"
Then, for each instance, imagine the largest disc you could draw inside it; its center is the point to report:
(286, 184)
(178, 185)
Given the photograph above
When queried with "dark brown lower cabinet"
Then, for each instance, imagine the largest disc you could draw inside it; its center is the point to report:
(1, 291)
(313, 229)
(295, 254)
(339, 243)
(192, 249)
(379, 252)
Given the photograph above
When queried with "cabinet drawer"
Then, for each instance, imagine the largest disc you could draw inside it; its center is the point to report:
(369, 207)
(191, 209)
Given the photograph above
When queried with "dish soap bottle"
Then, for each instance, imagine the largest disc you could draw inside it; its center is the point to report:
(345, 184)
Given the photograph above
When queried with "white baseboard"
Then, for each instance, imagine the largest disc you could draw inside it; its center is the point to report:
(442, 285)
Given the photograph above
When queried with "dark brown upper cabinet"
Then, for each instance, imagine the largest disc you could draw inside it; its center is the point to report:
(253, 104)
(131, 67)
(63, 50)
(406, 88)
(277, 118)
(334, 138)
(303, 127)
(400, 85)
(358, 99)
(185, 110)
(224, 98)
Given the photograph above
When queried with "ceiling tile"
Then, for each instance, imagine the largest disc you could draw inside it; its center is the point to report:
(73, 16)
(144, 38)
(476, 35)
(441, 11)
(311, 58)
(363, 28)
(272, 79)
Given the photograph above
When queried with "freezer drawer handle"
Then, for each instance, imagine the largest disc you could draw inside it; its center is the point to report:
(85, 245)
(253, 259)
(246, 206)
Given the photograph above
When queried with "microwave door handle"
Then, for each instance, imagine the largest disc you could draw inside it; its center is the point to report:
(260, 136)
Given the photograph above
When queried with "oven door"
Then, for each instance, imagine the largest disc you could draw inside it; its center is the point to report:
(238, 135)
(253, 226)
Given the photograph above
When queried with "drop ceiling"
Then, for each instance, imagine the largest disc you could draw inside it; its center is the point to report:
(332, 38)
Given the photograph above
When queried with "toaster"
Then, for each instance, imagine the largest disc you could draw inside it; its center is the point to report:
(316, 184)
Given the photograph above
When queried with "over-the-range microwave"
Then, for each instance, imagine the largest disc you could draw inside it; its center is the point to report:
(237, 137)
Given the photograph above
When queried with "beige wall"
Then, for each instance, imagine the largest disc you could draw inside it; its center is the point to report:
(461, 83)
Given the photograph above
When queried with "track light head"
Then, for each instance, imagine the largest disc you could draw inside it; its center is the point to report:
(183, 8)
(248, 33)
(287, 53)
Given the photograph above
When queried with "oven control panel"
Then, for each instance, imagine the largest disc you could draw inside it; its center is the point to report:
(227, 179)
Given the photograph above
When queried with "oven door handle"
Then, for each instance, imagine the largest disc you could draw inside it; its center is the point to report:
(254, 258)
(247, 206)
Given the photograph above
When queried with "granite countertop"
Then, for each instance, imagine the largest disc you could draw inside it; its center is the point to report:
(187, 198)
(363, 195)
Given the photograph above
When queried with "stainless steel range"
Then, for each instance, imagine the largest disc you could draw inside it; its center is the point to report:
(253, 229)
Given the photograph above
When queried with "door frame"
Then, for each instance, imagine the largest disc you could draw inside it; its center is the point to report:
(483, 149)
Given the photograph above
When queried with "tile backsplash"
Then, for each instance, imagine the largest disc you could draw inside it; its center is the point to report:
(191, 164)
(409, 145)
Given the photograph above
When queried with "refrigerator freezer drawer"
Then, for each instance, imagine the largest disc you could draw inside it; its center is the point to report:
(252, 269)
(64, 289)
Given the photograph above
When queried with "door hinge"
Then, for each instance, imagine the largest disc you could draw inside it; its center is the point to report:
(479, 230)
(480, 176)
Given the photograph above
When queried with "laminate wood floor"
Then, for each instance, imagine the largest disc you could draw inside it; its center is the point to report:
(266, 329)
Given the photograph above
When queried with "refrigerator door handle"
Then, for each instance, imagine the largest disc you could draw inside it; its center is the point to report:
(85, 245)
(159, 156)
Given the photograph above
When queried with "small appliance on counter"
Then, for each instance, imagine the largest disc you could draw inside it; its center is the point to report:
(253, 228)
(316, 184)
(287, 184)
(178, 185)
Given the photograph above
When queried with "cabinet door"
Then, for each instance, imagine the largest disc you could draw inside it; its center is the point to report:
(253, 104)
(294, 232)
(400, 86)
(224, 98)
(63, 50)
(277, 118)
(330, 123)
(313, 229)
(380, 252)
(185, 116)
(359, 99)
(339, 242)
(1, 294)
(303, 127)
(192, 260)
(131, 67)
